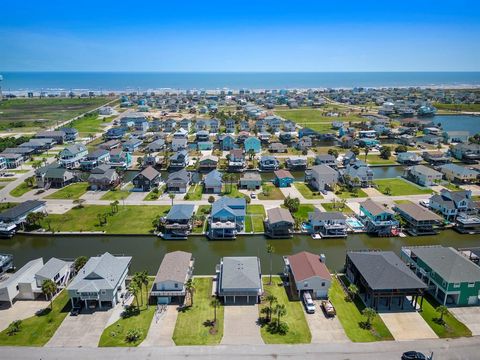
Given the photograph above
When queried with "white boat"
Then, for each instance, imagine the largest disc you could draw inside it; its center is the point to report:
(316, 236)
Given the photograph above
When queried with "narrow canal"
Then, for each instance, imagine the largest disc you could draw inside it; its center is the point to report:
(148, 251)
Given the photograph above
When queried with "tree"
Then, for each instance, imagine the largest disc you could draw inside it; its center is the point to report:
(385, 152)
(215, 303)
(79, 263)
(14, 327)
(79, 203)
(171, 196)
(134, 289)
(190, 288)
(370, 314)
(270, 251)
(442, 310)
(49, 288)
(292, 204)
(366, 151)
(142, 280)
(211, 199)
(400, 149)
(115, 205)
(271, 299)
(352, 290)
(388, 190)
(251, 154)
(333, 152)
(280, 310)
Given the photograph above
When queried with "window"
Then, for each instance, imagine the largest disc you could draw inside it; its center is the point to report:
(176, 285)
(103, 292)
(470, 285)
(456, 285)
(323, 284)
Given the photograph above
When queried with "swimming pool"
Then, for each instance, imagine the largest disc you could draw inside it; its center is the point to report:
(354, 223)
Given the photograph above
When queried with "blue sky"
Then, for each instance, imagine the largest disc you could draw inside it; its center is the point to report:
(240, 36)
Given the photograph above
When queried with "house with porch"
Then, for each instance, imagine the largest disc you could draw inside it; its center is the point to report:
(451, 277)
(53, 176)
(155, 146)
(252, 144)
(378, 220)
(207, 163)
(419, 221)
(146, 180)
(212, 184)
(71, 134)
(451, 204)
(466, 152)
(120, 159)
(279, 223)
(101, 282)
(250, 181)
(423, 175)
(459, 174)
(236, 160)
(94, 159)
(227, 142)
(296, 163)
(358, 174)
(178, 222)
(71, 156)
(103, 178)
(132, 145)
(328, 224)
(239, 280)
(227, 218)
(268, 163)
(322, 177)
(180, 159)
(15, 217)
(409, 158)
(177, 182)
(175, 270)
(57, 270)
(326, 159)
(12, 161)
(383, 280)
(57, 135)
(283, 178)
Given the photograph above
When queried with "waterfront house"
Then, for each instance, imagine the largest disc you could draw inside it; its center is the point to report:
(173, 274)
(459, 174)
(13, 218)
(227, 217)
(242, 136)
(383, 280)
(132, 145)
(327, 223)
(456, 137)
(120, 159)
(57, 135)
(227, 142)
(358, 174)
(283, 178)
(307, 132)
(304, 143)
(177, 182)
(279, 223)
(252, 144)
(212, 184)
(419, 220)
(409, 158)
(277, 148)
(435, 158)
(179, 144)
(378, 220)
(207, 163)
(178, 222)
(244, 126)
(53, 176)
(269, 163)
(12, 161)
(451, 204)
(296, 163)
(115, 133)
(326, 159)
(322, 177)
(423, 175)
(20, 285)
(179, 159)
(146, 180)
(264, 137)
(3, 165)
(250, 181)
(349, 158)
(239, 280)
(466, 152)
(56, 270)
(185, 124)
(94, 159)
(70, 156)
(236, 160)
(100, 282)
(307, 272)
(155, 146)
(103, 177)
(452, 278)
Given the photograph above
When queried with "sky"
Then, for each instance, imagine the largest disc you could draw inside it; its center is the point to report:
(240, 35)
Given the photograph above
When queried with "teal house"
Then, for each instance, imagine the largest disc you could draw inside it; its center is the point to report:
(452, 278)
(252, 143)
(283, 178)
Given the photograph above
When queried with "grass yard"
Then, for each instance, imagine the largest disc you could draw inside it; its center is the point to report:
(303, 210)
(37, 330)
(114, 335)
(272, 193)
(451, 186)
(194, 192)
(21, 189)
(345, 194)
(458, 107)
(231, 191)
(308, 117)
(402, 201)
(452, 327)
(254, 219)
(72, 191)
(399, 187)
(129, 219)
(118, 194)
(89, 124)
(375, 159)
(338, 206)
(350, 316)
(203, 210)
(307, 191)
(192, 327)
(298, 330)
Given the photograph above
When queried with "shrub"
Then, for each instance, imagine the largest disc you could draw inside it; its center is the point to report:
(14, 327)
(130, 311)
(133, 335)
(211, 199)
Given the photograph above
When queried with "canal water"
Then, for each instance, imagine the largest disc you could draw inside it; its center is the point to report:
(468, 123)
(148, 251)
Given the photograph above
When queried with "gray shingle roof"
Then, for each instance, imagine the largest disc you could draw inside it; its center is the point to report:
(374, 208)
(180, 212)
(418, 212)
(21, 209)
(241, 273)
(174, 267)
(279, 214)
(52, 268)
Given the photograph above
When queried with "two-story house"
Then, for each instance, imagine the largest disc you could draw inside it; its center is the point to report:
(378, 220)
(70, 156)
(227, 218)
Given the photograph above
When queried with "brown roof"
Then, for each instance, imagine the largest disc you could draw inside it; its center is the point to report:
(150, 173)
(174, 267)
(374, 208)
(279, 214)
(283, 174)
(418, 212)
(236, 152)
(305, 265)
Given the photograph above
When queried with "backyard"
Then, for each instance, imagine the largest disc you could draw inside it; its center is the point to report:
(307, 191)
(337, 206)
(202, 211)
(254, 218)
(193, 322)
(72, 191)
(347, 194)
(298, 330)
(194, 192)
(399, 187)
(375, 159)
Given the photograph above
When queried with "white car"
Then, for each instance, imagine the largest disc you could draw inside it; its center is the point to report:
(425, 203)
(253, 195)
(308, 302)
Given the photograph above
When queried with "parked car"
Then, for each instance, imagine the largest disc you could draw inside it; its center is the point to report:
(308, 302)
(75, 311)
(328, 308)
(415, 355)
(253, 195)
(425, 203)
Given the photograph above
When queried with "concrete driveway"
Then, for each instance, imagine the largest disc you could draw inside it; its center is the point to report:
(161, 328)
(240, 325)
(83, 330)
(407, 326)
(323, 329)
(20, 311)
(470, 316)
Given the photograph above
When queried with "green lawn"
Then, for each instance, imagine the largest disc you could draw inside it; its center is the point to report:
(399, 187)
(254, 219)
(307, 192)
(303, 211)
(129, 219)
(114, 335)
(194, 192)
(375, 159)
(37, 330)
(308, 117)
(120, 194)
(274, 193)
(338, 206)
(451, 186)
(452, 327)
(350, 316)
(21, 189)
(203, 210)
(191, 327)
(402, 201)
(89, 124)
(345, 194)
(72, 191)
(298, 330)
(458, 107)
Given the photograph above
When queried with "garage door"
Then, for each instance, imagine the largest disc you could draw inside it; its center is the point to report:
(472, 300)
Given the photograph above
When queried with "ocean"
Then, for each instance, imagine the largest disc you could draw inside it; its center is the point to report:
(145, 81)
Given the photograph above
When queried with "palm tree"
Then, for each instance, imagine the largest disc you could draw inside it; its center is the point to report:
(370, 314)
(49, 288)
(271, 299)
(215, 303)
(366, 150)
(79, 263)
(190, 288)
(352, 290)
(280, 310)
(442, 310)
(143, 281)
(134, 289)
(171, 196)
(270, 251)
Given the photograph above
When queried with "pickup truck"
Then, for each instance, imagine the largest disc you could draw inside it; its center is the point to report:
(328, 308)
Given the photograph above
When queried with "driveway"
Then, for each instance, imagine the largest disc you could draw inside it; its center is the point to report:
(240, 325)
(407, 326)
(161, 328)
(19, 311)
(470, 316)
(83, 330)
(323, 329)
